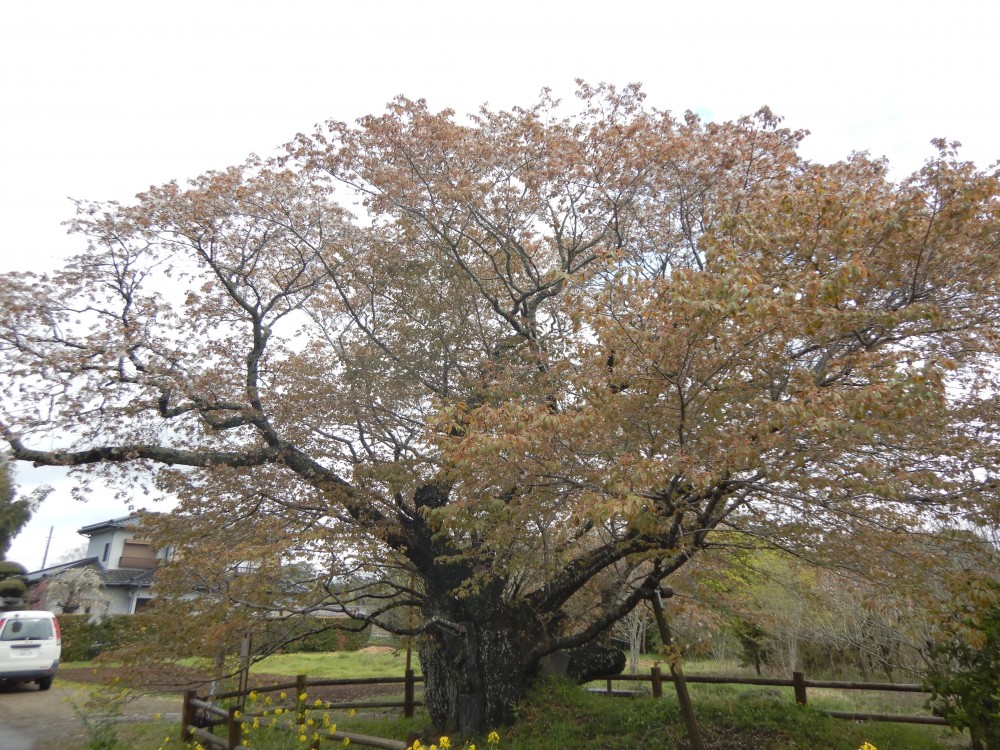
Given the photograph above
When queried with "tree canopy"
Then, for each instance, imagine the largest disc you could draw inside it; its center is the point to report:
(15, 512)
(511, 371)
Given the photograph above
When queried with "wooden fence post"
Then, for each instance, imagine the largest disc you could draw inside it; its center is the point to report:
(300, 705)
(408, 694)
(235, 729)
(799, 683)
(187, 715)
(657, 680)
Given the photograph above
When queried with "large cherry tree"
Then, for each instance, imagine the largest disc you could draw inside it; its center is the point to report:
(491, 380)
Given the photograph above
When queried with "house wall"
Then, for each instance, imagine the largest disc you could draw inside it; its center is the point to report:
(112, 540)
(119, 600)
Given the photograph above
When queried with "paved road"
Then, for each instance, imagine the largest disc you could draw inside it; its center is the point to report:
(31, 719)
(14, 739)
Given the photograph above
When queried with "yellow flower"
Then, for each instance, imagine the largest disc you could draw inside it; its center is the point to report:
(493, 738)
(303, 738)
(868, 746)
(347, 741)
(311, 722)
(302, 698)
(252, 695)
(157, 716)
(318, 703)
(267, 699)
(351, 712)
(236, 714)
(283, 695)
(444, 743)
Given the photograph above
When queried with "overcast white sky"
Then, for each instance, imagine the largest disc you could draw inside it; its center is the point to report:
(99, 100)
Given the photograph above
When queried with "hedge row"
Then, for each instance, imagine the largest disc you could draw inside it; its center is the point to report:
(83, 639)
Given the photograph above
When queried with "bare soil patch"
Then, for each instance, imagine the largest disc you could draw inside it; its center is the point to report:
(178, 679)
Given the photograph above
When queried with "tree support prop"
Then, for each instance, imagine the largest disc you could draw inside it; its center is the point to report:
(680, 684)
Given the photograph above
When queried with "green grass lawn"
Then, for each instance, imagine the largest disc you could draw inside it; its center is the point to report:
(337, 665)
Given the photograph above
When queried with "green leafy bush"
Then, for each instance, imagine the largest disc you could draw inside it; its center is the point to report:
(10, 568)
(13, 588)
(83, 639)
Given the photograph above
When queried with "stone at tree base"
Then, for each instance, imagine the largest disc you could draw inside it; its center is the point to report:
(594, 660)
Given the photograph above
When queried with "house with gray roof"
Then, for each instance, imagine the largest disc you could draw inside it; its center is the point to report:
(124, 562)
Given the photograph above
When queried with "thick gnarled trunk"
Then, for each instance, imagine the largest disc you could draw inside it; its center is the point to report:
(478, 659)
(479, 664)
(475, 677)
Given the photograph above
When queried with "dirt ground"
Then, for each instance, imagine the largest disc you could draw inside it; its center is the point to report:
(51, 721)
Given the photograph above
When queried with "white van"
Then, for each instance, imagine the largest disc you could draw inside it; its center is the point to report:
(30, 647)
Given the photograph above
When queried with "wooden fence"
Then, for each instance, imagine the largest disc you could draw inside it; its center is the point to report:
(798, 683)
(201, 715)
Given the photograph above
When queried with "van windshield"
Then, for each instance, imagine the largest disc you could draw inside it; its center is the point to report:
(27, 629)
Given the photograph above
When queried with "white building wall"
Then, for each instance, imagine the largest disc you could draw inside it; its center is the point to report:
(114, 542)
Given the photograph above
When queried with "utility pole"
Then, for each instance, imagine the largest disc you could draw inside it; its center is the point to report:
(45, 557)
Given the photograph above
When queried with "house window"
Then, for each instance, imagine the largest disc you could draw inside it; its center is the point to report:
(107, 552)
(136, 554)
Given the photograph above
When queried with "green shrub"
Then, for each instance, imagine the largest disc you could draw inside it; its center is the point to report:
(10, 568)
(13, 588)
(83, 639)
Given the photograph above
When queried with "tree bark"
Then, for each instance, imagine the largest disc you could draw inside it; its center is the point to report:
(477, 670)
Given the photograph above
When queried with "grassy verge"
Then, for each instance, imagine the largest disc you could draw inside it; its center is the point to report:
(560, 715)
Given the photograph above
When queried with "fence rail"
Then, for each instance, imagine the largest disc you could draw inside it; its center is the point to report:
(200, 716)
(798, 683)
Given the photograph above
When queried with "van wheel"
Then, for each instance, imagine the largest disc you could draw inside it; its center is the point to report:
(45, 683)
